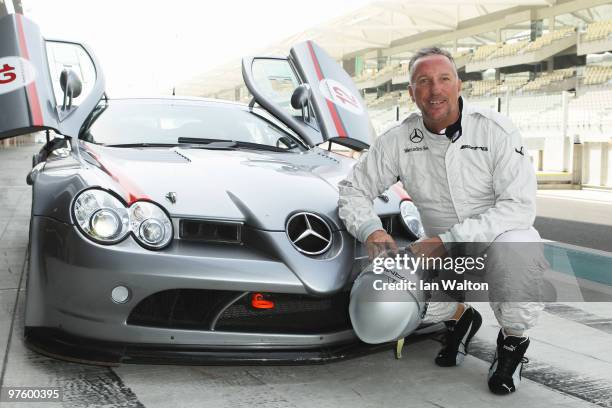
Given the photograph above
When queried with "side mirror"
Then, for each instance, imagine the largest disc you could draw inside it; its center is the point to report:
(300, 96)
(286, 142)
(299, 100)
(71, 86)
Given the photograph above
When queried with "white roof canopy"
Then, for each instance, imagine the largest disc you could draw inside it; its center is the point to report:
(390, 26)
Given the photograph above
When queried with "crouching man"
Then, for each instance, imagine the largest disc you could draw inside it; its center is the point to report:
(469, 175)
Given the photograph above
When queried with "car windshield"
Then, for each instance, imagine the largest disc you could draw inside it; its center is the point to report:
(169, 122)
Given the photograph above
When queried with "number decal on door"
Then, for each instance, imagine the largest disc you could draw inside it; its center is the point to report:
(337, 93)
(15, 73)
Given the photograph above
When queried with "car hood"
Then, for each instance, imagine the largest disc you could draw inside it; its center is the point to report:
(257, 187)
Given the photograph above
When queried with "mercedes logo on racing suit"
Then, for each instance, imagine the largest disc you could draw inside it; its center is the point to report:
(416, 136)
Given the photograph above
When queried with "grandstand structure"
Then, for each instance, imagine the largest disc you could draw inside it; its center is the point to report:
(547, 64)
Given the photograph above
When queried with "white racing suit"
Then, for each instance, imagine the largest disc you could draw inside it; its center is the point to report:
(479, 188)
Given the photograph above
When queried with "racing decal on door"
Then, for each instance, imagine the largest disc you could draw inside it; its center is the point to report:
(332, 110)
(15, 73)
(32, 92)
(27, 81)
(24, 87)
(340, 130)
(337, 93)
(338, 105)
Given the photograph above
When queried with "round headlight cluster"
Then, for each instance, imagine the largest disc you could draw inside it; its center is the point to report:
(105, 219)
(101, 216)
(150, 224)
(411, 218)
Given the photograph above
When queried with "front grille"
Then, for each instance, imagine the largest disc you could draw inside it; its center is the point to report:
(296, 314)
(196, 309)
(211, 231)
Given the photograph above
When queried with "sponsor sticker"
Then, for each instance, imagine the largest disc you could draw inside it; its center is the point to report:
(337, 93)
(15, 73)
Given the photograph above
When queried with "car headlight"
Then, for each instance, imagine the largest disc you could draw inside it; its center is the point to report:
(411, 219)
(150, 224)
(101, 216)
(105, 219)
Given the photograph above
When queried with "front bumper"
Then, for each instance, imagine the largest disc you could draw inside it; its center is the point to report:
(71, 280)
(70, 314)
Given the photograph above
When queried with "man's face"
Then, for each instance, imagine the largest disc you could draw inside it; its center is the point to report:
(435, 89)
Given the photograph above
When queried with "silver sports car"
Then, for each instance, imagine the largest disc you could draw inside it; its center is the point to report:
(183, 229)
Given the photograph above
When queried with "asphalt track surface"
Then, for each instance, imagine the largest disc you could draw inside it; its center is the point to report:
(584, 234)
(570, 354)
(582, 218)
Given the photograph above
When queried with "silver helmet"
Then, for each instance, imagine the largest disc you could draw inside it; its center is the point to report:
(386, 303)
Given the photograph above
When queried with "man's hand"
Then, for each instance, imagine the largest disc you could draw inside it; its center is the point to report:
(379, 242)
(429, 248)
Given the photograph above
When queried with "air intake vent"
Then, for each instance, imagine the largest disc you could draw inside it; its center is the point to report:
(224, 310)
(295, 314)
(211, 231)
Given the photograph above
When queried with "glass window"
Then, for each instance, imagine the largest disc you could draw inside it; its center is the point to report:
(70, 56)
(276, 81)
(160, 121)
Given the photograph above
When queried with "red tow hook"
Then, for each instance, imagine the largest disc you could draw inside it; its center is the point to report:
(258, 301)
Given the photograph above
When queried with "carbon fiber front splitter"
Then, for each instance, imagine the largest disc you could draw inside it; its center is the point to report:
(58, 344)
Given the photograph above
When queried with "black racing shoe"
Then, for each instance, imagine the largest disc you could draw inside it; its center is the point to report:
(457, 338)
(506, 371)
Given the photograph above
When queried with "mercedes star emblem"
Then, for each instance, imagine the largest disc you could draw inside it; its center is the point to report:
(416, 136)
(309, 233)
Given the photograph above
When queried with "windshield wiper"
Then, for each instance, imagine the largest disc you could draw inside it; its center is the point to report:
(142, 145)
(217, 145)
(200, 140)
(228, 144)
(220, 144)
